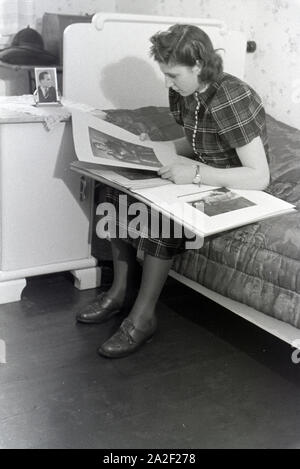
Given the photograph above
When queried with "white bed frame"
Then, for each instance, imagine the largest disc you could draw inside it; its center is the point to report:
(107, 65)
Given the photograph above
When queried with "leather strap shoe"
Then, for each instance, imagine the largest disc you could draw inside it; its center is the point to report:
(127, 339)
(101, 310)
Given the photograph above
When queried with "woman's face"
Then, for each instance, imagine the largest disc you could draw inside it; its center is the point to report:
(181, 78)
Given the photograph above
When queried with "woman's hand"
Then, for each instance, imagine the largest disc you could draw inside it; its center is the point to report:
(178, 173)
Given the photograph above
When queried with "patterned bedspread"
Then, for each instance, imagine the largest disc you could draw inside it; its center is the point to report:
(258, 264)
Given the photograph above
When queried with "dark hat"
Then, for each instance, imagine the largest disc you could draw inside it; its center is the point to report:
(27, 48)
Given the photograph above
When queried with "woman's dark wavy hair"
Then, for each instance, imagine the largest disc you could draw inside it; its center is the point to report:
(186, 45)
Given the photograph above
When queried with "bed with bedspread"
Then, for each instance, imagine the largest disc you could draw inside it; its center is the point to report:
(253, 270)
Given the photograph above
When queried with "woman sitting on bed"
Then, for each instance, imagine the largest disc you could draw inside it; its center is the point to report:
(226, 143)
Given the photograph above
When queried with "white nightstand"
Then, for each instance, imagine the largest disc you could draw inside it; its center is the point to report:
(45, 208)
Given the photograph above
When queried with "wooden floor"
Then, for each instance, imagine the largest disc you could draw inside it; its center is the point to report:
(207, 380)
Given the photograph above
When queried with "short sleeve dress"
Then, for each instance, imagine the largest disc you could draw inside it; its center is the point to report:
(228, 115)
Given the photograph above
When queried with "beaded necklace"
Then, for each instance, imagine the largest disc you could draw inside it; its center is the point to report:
(196, 124)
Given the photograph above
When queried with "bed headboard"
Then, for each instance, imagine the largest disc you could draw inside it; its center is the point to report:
(107, 62)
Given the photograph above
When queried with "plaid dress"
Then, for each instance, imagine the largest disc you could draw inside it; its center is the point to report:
(228, 115)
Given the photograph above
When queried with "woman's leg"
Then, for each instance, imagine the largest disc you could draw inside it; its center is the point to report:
(121, 295)
(126, 271)
(141, 323)
(155, 273)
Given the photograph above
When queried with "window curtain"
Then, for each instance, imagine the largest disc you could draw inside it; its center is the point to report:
(8, 17)
(15, 15)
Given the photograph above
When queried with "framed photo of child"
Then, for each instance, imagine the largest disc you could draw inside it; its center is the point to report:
(46, 92)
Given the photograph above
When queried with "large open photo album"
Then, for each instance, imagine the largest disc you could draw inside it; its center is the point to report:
(100, 142)
(118, 158)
